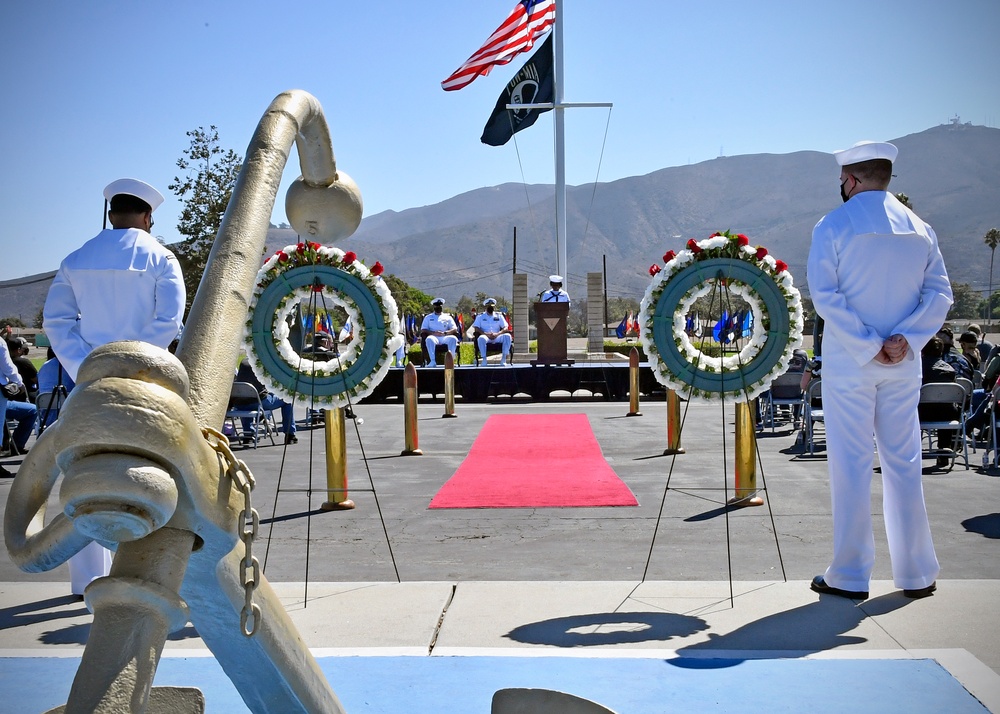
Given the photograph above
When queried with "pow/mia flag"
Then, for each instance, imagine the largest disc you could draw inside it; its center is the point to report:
(531, 85)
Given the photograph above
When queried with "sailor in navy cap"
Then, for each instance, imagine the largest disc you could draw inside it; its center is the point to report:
(439, 328)
(120, 285)
(555, 293)
(490, 328)
(877, 278)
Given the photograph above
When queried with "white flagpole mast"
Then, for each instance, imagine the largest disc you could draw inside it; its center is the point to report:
(559, 105)
(560, 146)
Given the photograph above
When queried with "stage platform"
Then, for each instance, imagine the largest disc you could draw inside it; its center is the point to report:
(536, 383)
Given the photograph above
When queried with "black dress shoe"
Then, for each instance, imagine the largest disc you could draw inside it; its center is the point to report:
(291, 439)
(921, 592)
(819, 585)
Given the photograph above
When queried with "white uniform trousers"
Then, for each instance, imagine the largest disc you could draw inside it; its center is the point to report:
(93, 562)
(504, 342)
(874, 401)
(433, 341)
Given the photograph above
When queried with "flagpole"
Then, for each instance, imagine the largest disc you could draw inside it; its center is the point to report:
(560, 146)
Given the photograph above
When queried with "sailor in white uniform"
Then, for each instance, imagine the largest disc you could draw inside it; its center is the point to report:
(877, 278)
(120, 285)
(491, 328)
(555, 293)
(439, 328)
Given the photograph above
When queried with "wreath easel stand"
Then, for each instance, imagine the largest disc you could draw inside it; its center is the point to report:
(723, 265)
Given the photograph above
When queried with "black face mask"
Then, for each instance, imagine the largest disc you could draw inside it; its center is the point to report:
(843, 194)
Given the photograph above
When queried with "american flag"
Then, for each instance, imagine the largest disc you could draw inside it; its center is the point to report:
(528, 21)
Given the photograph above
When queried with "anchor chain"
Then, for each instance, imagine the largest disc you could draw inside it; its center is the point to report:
(243, 479)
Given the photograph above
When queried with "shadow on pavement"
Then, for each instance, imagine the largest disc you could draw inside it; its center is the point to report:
(987, 525)
(607, 629)
(816, 627)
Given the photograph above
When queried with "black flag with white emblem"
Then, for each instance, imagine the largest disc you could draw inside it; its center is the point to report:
(531, 85)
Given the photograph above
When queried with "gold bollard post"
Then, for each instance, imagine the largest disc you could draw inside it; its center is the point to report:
(336, 462)
(449, 386)
(410, 412)
(633, 383)
(673, 424)
(746, 459)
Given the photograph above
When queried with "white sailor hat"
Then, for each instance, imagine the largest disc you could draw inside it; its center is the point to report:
(555, 279)
(489, 301)
(437, 301)
(134, 187)
(866, 151)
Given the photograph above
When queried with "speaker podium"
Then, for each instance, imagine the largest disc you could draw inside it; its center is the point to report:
(550, 321)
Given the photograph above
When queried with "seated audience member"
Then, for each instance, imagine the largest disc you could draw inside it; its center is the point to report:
(19, 349)
(439, 328)
(969, 344)
(21, 412)
(490, 328)
(268, 401)
(952, 355)
(985, 346)
(936, 370)
(51, 378)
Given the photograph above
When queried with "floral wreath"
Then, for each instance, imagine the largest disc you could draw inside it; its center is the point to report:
(302, 272)
(745, 270)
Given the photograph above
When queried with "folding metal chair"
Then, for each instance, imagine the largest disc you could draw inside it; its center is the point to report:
(945, 394)
(244, 403)
(49, 404)
(785, 390)
(812, 412)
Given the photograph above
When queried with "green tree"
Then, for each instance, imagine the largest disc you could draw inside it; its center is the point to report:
(205, 188)
(905, 200)
(12, 321)
(619, 307)
(410, 300)
(967, 302)
(992, 239)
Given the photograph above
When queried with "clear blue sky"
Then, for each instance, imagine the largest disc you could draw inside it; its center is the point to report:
(97, 90)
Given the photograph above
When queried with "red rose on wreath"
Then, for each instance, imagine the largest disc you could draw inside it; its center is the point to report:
(693, 246)
(314, 246)
(742, 239)
(780, 266)
(668, 256)
(300, 247)
(282, 256)
(349, 257)
(653, 269)
(761, 252)
(377, 269)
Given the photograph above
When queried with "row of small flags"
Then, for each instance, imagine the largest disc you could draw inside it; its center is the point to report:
(733, 327)
(739, 325)
(628, 325)
(325, 323)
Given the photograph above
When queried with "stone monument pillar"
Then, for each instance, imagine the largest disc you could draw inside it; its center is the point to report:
(595, 316)
(519, 316)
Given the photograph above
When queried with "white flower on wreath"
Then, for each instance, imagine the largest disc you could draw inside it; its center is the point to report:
(720, 245)
(305, 254)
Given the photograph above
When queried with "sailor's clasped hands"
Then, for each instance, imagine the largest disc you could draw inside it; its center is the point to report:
(893, 350)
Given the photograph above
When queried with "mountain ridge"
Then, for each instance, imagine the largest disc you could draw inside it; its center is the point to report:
(464, 244)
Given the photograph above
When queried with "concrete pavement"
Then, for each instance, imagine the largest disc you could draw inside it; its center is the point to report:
(581, 582)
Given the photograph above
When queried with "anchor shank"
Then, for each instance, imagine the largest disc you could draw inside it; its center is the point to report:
(135, 608)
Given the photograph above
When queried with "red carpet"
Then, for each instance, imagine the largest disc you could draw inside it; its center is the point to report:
(534, 461)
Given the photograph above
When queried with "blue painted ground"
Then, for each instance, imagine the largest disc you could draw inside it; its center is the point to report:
(629, 686)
